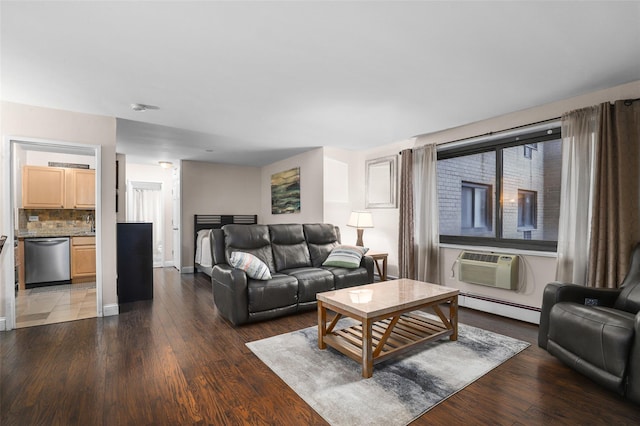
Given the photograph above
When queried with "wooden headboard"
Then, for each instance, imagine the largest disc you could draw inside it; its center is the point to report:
(217, 221)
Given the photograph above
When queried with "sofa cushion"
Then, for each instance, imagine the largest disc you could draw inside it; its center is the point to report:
(345, 256)
(598, 335)
(289, 246)
(321, 239)
(253, 239)
(310, 282)
(280, 291)
(254, 267)
(345, 277)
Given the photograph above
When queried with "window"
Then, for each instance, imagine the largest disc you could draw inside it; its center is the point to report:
(527, 209)
(529, 148)
(490, 194)
(476, 206)
(466, 195)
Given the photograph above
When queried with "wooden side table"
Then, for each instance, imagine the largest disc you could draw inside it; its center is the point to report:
(376, 255)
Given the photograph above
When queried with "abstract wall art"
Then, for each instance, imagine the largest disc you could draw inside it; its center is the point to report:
(285, 191)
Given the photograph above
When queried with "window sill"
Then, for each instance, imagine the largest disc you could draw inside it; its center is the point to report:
(537, 253)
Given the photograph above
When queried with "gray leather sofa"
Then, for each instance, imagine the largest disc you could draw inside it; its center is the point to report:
(597, 331)
(294, 254)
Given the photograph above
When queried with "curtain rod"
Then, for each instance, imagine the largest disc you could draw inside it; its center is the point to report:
(500, 131)
(627, 102)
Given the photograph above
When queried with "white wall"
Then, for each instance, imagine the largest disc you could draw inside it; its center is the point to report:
(311, 189)
(30, 122)
(540, 269)
(209, 188)
(341, 171)
(155, 173)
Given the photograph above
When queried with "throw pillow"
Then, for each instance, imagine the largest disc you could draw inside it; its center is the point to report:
(345, 256)
(254, 267)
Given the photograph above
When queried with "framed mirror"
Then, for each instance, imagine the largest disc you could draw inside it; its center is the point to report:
(381, 183)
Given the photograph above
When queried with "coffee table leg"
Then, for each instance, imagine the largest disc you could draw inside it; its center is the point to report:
(367, 350)
(322, 325)
(453, 317)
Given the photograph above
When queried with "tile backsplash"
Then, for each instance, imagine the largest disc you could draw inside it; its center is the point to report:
(50, 219)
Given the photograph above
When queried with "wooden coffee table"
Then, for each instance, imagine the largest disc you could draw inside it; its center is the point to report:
(387, 326)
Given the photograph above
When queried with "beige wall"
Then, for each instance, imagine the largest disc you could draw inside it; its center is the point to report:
(311, 189)
(209, 188)
(29, 122)
(155, 173)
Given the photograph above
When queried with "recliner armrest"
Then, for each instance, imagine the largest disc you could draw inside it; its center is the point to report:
(556, 292)
(632, 391)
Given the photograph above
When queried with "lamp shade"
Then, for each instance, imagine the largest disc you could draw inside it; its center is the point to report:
(360, 220)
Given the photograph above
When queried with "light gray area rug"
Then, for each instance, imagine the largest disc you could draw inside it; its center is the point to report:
(401, 388)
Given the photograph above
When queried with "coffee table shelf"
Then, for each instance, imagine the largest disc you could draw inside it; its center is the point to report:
(409, 330)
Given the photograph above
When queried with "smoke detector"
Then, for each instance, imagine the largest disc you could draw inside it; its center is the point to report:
(142, 107)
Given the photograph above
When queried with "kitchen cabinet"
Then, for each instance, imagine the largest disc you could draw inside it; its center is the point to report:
(43, 187)
(19, 259)
(58, 188)
(81, 188)
(83, 259)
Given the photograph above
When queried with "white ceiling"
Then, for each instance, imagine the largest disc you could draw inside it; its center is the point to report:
(254, 82)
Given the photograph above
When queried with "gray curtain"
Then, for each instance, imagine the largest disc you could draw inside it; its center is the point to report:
(615, 227)
(425, 202)
(406, 254)
(579, 141)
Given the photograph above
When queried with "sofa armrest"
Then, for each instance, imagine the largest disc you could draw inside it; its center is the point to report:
(230, 293)
(556, 292)
(367, 263)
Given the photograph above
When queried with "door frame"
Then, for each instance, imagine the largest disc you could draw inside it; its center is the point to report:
(176, 217)
(9, 219)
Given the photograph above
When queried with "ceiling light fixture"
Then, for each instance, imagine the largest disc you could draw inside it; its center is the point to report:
(142, 107)
(165, 164)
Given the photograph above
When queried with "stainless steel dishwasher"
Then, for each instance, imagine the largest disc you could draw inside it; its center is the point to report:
(46, 261)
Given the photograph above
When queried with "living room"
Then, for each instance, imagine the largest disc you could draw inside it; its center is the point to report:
(333, 183)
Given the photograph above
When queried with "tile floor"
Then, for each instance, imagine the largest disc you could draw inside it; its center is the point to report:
(51, 305)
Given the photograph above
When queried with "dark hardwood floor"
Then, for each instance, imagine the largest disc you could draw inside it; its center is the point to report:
(174, 361)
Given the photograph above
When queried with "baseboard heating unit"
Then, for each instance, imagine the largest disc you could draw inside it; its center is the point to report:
(503, 308)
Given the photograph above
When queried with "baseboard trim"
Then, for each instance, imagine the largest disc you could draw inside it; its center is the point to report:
(110, 310)
(187, 270)
(168, 264)
(3, 324)
(500, 307)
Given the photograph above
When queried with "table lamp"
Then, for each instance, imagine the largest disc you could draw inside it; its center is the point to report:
(360, 220)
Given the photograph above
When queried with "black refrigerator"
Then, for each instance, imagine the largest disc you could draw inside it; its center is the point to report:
(135, 261)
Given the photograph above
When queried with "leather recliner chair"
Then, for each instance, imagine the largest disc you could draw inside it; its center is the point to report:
(596, 331)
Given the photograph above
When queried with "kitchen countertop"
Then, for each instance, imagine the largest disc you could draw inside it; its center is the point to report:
(61, 232)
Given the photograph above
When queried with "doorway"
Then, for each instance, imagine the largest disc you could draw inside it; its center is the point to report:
(145, 203)
(76, 295)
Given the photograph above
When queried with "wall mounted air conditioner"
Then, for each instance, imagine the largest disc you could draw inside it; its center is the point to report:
(490, 269)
